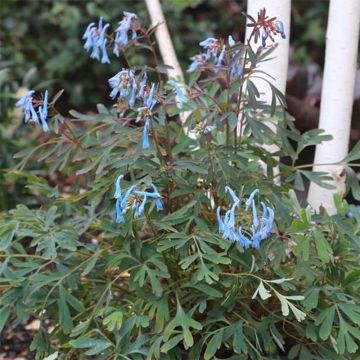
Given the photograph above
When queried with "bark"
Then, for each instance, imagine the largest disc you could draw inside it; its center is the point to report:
(278, 66)
(337, 98)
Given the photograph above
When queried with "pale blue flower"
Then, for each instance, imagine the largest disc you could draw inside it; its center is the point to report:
(43, 112)
(280, 28)
(260, 229)
(235, 199)
(220, 58)
(264, 36)
(95, 40)
(243, 240)
(179, 93)
(126, 197)
(147, 195)
(209, 128)
(121, 201)
(122, 85)
(231, 41)
(26, 104)
(250, 199)
(102, 44)
(118, 194)
(146, 143)
(119, 211)
(121, 33)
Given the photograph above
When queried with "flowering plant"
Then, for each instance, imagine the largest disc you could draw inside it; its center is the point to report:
(171, 241)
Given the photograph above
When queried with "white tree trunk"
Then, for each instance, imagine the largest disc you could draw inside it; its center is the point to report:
(337, 97)
(278, 66)
(167, 51)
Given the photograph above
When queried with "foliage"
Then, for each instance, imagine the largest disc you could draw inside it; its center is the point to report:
(165, 284)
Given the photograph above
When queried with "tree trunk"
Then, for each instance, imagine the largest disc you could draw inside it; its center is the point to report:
(278, 66)
(337, 97)
(167, 50)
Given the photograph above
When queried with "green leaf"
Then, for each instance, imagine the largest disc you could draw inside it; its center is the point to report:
(64, 314)
(323, 248)
(4, 315)
(326, 319)
(213, 345)
(95, 346)
(239, 343)
(171, 343)
(184, 321)
(311, 300)
(320, 178)
(114, 321)
(302, 247)
(91, 263)
(352, 311)
(7, 234)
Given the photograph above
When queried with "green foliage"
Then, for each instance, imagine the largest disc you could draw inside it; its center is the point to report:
(166, 284)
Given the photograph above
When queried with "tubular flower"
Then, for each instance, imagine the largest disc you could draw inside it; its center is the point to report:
(154, 195)
(95, 40)
(26, 103)
(43, 112)
(269, 27)
(129, 22)
(179, 93)
(260, 229)
(145, 142)
(122, 85)
(121, 201)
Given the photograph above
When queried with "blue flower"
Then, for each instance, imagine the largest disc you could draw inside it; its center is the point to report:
(220, 58)
(351, 213)
(211, 45)
(235, 199)
(260, 229)
(121, 202)
(209, 129)
(95, 40)
(102, 44)
(243, 240)
(264, 36)
(122, 85)
(126, 197)
(250, 199)
(145, 143)
(43, 112)
(150, 101)
(26, 104)
(155, 195)
(231, 41)
(119, 211)
(179, 93)
(129, 22)
(280, 28)
(142, 87)
(118, 194)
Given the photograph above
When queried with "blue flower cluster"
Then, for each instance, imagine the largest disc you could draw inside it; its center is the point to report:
(134, 199)
(127, 88)
(95, 40)
(212, 47)
(273, 28)
(27, 105)
(260, 228)
(128, 23)
(213, 52)
(237, 62)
